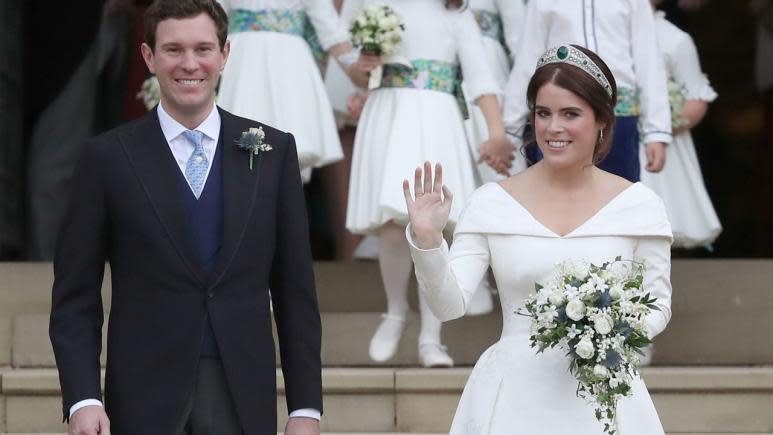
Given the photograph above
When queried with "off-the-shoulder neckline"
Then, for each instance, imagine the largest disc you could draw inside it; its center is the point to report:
(593, 217)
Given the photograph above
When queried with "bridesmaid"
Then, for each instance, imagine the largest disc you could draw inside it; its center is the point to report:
(417, 114)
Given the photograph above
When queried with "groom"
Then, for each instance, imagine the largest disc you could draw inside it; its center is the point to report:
(196, 230)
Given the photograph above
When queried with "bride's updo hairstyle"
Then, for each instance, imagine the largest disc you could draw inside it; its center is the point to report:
(583, 73)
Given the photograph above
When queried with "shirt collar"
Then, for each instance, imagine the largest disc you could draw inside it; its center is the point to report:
(171, 128)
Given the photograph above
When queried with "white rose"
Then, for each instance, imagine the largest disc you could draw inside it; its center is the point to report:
(556, 298)
(616, 292)
(584, 348)
(581, 270)
(600, 371)
(575, 309)
(602, 324)
(362, 21)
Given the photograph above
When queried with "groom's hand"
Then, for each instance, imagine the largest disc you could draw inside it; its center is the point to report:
(302, 426)
(89, 420)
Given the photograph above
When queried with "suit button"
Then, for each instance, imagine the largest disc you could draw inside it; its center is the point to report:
(210, 295)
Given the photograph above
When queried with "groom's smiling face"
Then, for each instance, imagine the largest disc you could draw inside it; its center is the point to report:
(188, 60)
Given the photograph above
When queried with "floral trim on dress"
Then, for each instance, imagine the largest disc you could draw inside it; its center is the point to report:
(293, 22)
(433, 75)
(627, 102)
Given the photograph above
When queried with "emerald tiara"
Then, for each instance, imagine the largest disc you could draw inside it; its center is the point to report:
(573, 56)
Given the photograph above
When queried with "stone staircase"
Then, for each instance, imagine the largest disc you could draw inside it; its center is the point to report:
(712, 374)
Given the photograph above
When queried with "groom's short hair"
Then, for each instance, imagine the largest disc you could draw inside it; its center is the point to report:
(161, 10)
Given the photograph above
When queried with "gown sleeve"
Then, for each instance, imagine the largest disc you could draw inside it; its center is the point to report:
(448, 278)
(655, 252)
(478, 76)
(326, 22)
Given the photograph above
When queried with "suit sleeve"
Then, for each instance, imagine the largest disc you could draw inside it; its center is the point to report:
(296, 311)
(76, 318)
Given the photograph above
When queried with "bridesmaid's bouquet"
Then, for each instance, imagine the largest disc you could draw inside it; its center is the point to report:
(676, 100)
(377, 30)
(597, 315)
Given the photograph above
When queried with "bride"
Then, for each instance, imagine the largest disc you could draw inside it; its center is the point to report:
(562, 207)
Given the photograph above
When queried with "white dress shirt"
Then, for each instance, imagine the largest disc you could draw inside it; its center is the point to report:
(182, 150)
(622, 32)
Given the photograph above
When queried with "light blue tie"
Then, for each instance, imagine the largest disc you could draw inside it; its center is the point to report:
(196, 168)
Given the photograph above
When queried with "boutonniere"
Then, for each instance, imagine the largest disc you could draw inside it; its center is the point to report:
(252, 141)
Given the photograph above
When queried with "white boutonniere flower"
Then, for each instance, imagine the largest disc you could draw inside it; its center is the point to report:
(252, 141)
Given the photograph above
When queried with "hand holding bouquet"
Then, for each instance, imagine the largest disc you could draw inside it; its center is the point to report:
(597, 315)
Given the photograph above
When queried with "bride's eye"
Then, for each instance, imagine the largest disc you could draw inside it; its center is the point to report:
(543, 113)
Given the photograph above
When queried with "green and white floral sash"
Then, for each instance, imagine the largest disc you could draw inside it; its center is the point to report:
(294, 22)
(427, 74)
(627, 102)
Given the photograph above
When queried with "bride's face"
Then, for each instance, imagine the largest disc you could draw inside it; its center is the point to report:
(565, 127)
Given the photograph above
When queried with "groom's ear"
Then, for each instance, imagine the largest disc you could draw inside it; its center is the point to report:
(147, 56)
(226, 51)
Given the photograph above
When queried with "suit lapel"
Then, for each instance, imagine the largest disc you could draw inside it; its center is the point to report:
(160, 177)
(240, 186)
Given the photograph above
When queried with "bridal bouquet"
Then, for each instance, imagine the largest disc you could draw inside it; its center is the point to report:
(597, 315)
(676, 101)
(377, 30)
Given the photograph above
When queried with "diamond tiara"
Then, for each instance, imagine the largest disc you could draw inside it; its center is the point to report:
(573, 56)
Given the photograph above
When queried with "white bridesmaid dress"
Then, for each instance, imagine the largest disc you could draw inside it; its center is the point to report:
(400, 128)
(273, 77)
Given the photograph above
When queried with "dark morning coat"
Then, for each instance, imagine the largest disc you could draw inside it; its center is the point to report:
(126, 208)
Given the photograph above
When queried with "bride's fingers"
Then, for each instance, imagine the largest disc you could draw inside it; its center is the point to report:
(407, 192)
(417, 182)
(438, 178)
(427, 178)
(448, 197)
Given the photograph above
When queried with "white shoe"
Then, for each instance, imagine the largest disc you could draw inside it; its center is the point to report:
(481, 302)
(383, 345)
(434, 355)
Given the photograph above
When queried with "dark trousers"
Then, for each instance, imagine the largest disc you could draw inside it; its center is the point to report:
(623, 157)
(210, 409)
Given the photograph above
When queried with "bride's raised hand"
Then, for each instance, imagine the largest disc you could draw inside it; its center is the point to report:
(428, 210)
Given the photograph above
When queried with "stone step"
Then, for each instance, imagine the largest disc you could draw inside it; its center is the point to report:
(722, 312)
(730, 400)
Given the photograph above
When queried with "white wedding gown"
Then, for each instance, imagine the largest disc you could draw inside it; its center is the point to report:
(512, 390)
